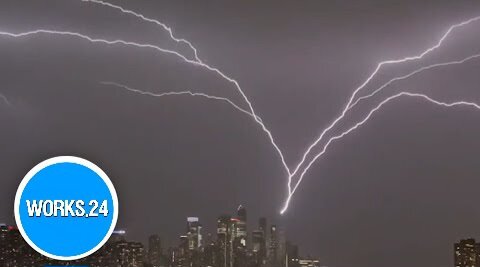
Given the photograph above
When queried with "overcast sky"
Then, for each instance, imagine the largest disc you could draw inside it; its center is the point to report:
(397, 192)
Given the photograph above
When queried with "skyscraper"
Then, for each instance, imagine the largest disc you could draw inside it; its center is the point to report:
(258, 249)
(194, 233)
(273, 248)
(194, 242)
(155, 251)
(277, 249)
(241, 223)
(262, 225)
(128, 254)
(224, 240)
(257, 241)
(238, 226)
(281, 245)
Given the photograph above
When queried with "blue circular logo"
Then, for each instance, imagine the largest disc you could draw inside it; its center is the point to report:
(66, 208)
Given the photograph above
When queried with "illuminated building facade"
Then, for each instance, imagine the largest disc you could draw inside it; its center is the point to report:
(194, 234)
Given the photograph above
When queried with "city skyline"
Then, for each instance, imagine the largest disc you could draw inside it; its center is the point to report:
(230, 245)
(266, 245)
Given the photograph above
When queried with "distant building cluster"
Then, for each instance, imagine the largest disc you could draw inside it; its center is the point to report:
(231, 246)
(117, 252)
(467, 253)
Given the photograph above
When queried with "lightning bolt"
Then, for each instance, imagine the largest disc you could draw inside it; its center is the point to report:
(433, 66)
(251, 112)
(349, 107)
(355, 92)
(154, 21)
(350, 103)
(177, 93)
(170, 31)
(162, 50)
(358, 124)
(98, 40)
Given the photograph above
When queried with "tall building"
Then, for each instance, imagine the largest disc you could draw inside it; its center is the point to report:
(128, 254)
(467, 253)
(155, 250)
(194, 243)
(117, 252)
(181, 253)
(194, 233)
(273, 246)
(117, 236)
(262, 226)
(258, 247)
(257, 241)
(281, 245)
(224, 240)
(241, 223)
(105, 256)
(277, 249)
(232, 239)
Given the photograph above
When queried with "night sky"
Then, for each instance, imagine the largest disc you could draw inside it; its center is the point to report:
(397, 192)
